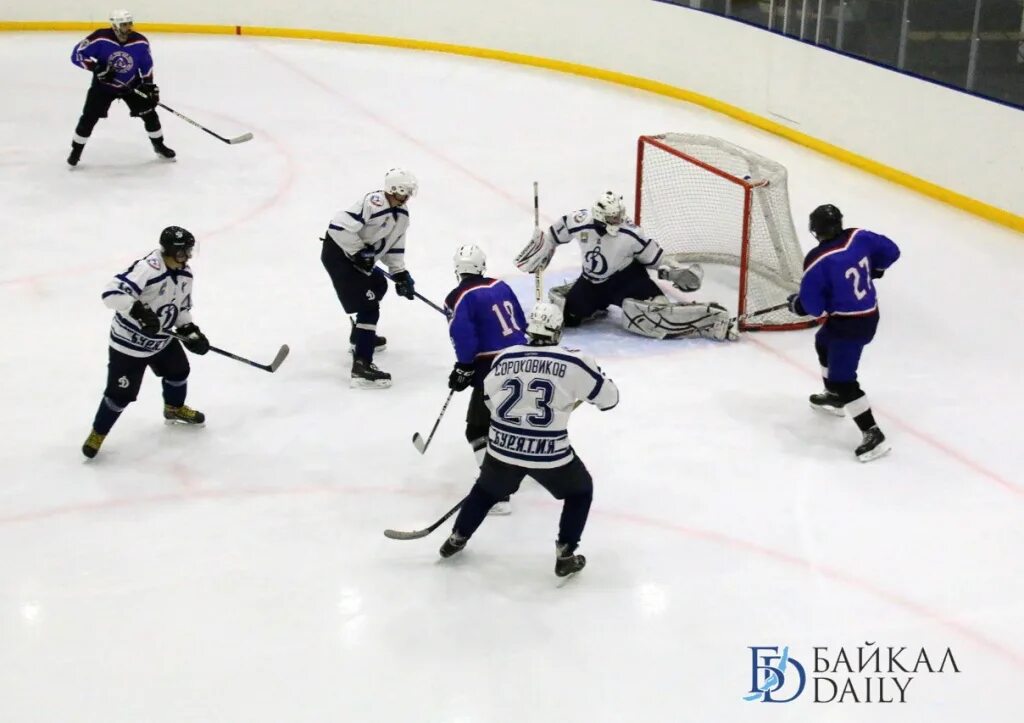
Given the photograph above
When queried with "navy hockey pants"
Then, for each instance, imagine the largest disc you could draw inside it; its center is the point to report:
(585, 297)
(839, 344)
(359, 293)
(124, 379)
(570, 483)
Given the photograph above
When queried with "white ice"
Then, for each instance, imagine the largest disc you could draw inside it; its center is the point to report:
(239, 573)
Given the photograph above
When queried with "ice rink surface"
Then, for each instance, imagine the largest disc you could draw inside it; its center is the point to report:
(238, 572)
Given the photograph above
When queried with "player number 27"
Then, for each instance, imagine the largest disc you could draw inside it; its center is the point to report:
(507, 320)
(854, 275)
(545, 391)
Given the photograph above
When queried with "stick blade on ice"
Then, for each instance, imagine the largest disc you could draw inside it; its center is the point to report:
(418, 443)
(241, 139)
(400, 535)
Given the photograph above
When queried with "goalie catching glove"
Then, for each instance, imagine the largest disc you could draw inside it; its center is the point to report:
(537, 254)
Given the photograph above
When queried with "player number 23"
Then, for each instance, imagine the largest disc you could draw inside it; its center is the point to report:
(544, 390)
(854, 276)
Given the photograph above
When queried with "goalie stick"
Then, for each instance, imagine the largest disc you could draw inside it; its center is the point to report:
(230, 141)
(417, 439)
(759, 312)
(538, 283)
(272, 367)
(417, 534)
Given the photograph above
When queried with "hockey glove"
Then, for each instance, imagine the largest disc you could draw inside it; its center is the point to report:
(149, 322)
(461, 376)
(104, 72)
(877, 273)
(365, 259)
(404, 285)
(795, 306)
(193, 339)
(151, 93)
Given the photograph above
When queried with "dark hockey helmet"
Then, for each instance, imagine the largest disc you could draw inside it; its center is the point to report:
(826, 222)
(177, 243)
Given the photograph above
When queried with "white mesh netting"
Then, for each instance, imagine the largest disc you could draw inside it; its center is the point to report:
(698, 211)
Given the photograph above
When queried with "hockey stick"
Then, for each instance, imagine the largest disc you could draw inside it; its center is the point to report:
(538, 284)
(417, 534)
(420, 296)
(759, 312)
(272, 367)
(231, 141)
(417, 440)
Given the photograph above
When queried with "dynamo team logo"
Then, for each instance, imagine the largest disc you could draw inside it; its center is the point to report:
(595, 261)
(774, 675)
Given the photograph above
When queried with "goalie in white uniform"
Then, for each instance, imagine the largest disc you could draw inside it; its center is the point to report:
(617, 260)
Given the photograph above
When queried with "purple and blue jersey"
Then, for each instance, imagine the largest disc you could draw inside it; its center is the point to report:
(838, 274)
(484, 317)
(131, 60)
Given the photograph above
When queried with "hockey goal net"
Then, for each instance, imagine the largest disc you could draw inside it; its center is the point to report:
(710, 201)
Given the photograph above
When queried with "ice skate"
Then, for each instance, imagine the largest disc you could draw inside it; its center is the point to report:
(366, 375)
(567, 563)
(76, 153)
(162, 149)
(452, 545)
(183, 415)
(873, 446)
(827, 402)
(92, 444)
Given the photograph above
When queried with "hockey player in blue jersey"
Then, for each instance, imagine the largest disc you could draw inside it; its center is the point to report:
(484, 317)
(122, 69)
(838, 281)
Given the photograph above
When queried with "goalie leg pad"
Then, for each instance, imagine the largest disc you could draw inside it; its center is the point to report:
(661, 318)
(557, 294)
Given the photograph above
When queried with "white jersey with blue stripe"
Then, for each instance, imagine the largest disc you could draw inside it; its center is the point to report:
(373, 223)
(604, 252)
(531, 391)
(167, 292)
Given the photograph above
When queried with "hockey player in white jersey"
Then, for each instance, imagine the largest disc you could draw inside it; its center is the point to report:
(531, 391)
(372, 230)
(150, 298)
(618, 259)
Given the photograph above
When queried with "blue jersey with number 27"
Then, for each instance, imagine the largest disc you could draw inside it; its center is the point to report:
(838, 273)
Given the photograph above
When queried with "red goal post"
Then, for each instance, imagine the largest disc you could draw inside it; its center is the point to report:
(707, 200)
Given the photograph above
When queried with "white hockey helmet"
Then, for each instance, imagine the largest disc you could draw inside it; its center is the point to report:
(399, 182)
(470, 259)
(545, 322)
(610, 210)
(119, 19)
